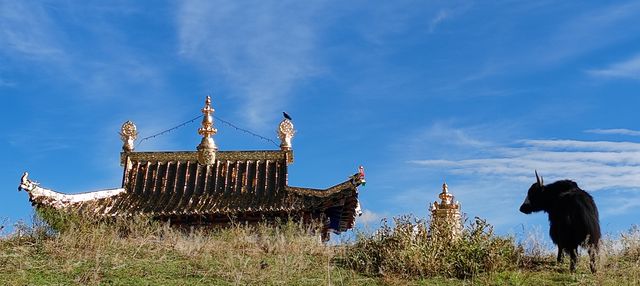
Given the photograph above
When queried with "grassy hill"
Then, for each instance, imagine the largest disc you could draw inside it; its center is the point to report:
(142, 253)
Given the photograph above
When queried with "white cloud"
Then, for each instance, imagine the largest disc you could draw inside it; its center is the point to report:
(368, 217)
(587, 145)
(597, 165)
(618, 131)
(261, 48)
(629, 68)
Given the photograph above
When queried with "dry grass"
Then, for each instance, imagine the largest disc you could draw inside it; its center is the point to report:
(140, 252)
(135, 252)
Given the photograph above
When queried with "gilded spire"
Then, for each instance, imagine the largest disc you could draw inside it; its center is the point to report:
(207, 148)
(207, 128)
(446, 213)
(128, 134)
(445, 196)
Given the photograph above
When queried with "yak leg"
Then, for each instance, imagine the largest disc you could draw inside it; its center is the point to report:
(573, 254)
(593, 251)
(560, 255)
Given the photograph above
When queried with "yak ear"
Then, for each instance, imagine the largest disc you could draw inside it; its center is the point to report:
(539, 179)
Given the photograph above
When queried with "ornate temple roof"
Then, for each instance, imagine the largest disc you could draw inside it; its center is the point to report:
(210, 186)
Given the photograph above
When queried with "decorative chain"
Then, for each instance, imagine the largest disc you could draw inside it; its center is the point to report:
(200, 116)
(246, 131)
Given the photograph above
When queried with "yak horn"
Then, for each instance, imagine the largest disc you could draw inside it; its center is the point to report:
(539, 179)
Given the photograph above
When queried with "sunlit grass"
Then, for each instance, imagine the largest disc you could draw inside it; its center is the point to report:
(134, 252)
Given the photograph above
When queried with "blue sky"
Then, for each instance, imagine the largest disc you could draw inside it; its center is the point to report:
(477, 93)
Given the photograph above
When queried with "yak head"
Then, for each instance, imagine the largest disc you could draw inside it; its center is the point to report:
(534, 200)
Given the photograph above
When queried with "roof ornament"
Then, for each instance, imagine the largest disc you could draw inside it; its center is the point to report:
(286, 132)
(360, 175)
(207, 148)
(25, 183)
(128, 134)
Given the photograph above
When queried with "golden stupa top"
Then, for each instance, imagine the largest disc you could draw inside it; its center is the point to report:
(446, 200)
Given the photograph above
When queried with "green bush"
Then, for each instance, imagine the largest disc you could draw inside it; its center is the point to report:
(410, 249)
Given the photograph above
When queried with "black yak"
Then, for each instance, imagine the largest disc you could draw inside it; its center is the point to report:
(573, 217)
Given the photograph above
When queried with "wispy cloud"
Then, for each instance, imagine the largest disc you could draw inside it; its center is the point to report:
(589, 31)
(629, 68)
(616, 131)
(621, 203)
(261, 48)
(568, 144)
(579, 32)
(26, 30)
(31, 36)
(440, 16)
(596, 164)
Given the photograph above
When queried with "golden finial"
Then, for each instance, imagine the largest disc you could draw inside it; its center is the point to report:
(286, 132)
(207, 128)
(445, 196)
(128, 134)
(207, 148)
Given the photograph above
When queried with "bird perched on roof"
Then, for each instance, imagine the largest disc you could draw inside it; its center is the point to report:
(286, 115)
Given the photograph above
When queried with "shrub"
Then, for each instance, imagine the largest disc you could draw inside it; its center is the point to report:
(410, 249)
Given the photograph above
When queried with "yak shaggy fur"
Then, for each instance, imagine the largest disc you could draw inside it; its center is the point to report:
(573, 217)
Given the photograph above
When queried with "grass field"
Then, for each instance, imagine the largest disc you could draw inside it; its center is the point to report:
(142, 253)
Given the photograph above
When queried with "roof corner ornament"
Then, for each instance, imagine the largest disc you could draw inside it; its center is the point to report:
(128, 134)
(26, 184)
(360, 176)
(286, 132)
(207, 148)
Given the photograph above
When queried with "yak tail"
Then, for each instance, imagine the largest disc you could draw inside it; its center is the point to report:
(593, 247)
(593, 255)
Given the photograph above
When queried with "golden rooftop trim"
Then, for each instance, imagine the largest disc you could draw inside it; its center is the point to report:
(193, 156)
